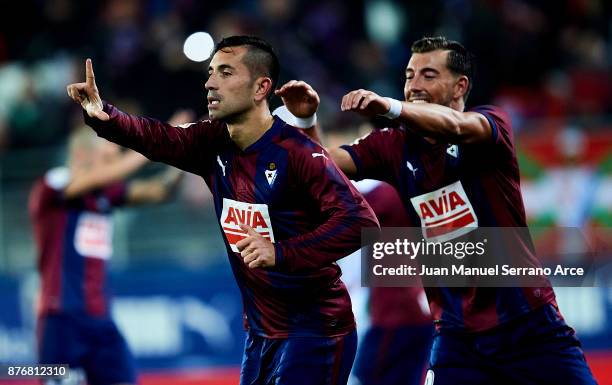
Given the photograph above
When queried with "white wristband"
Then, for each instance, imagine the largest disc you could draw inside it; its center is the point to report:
(395, 109)
(286, 115)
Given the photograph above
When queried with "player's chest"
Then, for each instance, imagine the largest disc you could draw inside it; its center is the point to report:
(437, 178)
(253, 178)
(431, 167)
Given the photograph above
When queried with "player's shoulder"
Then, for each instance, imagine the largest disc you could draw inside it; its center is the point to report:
(492, 111)
(204, 124)
(382, 136)
(47, 190)
(295, 140)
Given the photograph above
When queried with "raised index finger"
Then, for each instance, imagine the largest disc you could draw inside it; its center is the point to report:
(90, 79)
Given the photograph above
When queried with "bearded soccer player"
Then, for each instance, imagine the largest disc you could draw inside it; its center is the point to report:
(286, 211)
(71, 209)
(509, 335)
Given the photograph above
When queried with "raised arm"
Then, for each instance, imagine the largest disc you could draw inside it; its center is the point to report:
(155, 189)
(187, 146)
(102, 175)
(427, 119)
(301, 102)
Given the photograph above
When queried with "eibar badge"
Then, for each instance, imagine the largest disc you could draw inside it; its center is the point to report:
(271, 173)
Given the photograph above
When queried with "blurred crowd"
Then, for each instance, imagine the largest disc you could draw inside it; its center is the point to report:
(536, 58)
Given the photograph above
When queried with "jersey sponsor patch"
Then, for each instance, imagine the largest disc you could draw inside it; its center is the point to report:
(253, 214)
(93, 236)
(445, 213)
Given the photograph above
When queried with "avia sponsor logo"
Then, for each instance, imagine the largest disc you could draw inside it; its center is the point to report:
(93, 236)
(445, 213)
(253, 214)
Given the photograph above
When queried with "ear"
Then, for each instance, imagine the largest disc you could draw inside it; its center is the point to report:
(461, 86)
(263, 87)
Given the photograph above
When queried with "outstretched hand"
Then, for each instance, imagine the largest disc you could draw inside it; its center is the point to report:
(365, 103)
(299, 98)
(255, 250)
(87, 95)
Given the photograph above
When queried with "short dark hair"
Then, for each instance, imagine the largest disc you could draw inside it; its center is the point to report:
(460, 60)
(260, 58)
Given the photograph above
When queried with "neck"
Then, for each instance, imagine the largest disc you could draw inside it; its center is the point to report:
(457, 105)
(251, 127)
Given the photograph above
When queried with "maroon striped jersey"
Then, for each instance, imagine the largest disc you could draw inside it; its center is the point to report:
(74, 243)
(451, 189)
(285, 187)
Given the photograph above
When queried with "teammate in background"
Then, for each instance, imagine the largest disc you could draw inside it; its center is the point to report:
(71, 210)
(286, 211)
(394, 348)
(483, 335)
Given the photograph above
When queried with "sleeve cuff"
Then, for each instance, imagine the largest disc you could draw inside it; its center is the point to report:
(494, 129)
(100, 127)
(358, 164)
(279, 258)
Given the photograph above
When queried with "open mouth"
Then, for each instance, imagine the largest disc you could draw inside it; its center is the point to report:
(213, 102)
(418, 100)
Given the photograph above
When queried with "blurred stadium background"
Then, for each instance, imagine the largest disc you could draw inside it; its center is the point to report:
(547, 62)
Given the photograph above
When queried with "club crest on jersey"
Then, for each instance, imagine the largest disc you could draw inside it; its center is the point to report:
(445, 213)
(271, 176)
(453, 150)
(255, 215)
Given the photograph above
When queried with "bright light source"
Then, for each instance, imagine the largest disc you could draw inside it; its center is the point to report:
(198, 46)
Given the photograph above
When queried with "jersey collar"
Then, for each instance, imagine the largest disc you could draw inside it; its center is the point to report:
(266, 138)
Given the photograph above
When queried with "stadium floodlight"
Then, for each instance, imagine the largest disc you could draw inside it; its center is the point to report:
(198, 46)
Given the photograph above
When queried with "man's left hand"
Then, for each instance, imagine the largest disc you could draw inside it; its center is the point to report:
(256, 251)
(299, 98)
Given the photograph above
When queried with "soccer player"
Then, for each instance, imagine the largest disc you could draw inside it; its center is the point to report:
(286, 211)
(71, 210)
(511, 335)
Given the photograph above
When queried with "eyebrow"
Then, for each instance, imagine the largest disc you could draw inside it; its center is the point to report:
(221, 67)
(426, 69)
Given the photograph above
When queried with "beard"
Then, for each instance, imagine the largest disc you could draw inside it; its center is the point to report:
(233, 116)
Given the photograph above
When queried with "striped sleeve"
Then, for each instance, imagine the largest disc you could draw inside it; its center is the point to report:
(377, 154)
(342, 209)
(187, 147)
